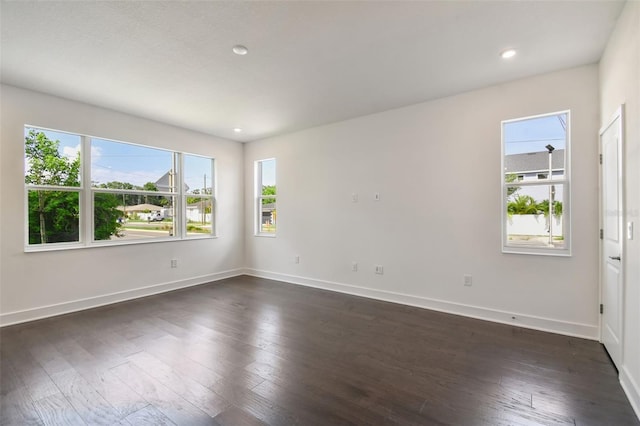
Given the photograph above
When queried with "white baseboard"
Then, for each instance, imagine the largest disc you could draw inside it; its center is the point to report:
(631, 388)
(512, 318)
(17, 317)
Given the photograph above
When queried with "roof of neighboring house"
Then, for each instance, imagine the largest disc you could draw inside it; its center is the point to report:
(141, 207)
(533, 162)
(268, 207)
(164, 183)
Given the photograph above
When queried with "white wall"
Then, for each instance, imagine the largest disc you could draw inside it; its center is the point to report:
(436, 166)
(30, 283)
(620, 84)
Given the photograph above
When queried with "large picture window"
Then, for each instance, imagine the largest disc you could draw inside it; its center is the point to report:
(84, 191)
(266, 195)
(536, 185)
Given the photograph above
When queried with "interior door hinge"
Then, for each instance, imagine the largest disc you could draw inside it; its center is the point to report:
(600, 158)
(601, 308)
(601, 233)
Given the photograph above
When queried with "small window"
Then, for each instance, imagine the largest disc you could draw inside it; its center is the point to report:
(265, 171)
(535, 210)
(199, 198)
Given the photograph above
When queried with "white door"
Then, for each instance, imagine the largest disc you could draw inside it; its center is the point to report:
(612, 215)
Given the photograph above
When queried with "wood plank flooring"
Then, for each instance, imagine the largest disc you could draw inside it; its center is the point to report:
(249, 351)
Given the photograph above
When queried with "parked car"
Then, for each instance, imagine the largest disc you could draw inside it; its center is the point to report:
(156, 217)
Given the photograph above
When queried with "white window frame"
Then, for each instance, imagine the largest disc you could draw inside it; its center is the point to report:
(212, 198)
(87, 192)
(566, 201)
(259, 197)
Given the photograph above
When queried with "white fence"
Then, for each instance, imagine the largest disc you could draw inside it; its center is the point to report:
(533, 224)
(195, 215)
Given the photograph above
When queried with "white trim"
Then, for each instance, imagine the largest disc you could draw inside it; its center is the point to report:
(584, 331)
(17, 317)
(630, 388)
(566, 202)
(617, 115)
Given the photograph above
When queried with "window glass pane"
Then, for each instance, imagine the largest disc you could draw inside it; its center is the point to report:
(117, 218)
(198, 175)
(528, 223)
(108, 218)
(268, 177)
(268, 215)
(533, 146)
(54, 216)
(51, 158)
(126, 166)
(199, 215)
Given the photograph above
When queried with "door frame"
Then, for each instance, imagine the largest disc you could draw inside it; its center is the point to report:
(619, 113)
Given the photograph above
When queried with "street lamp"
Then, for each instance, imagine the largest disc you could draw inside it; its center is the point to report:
(550, 148)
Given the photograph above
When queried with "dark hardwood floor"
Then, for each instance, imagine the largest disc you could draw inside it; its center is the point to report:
(248, 351)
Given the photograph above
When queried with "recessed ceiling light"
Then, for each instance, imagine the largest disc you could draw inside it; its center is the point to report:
(239, 49)
(237, 129)
(509, 53)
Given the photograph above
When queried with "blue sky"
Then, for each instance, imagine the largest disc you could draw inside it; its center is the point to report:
(534, 134)
(135, 164)
(114, 161)
(268, 172)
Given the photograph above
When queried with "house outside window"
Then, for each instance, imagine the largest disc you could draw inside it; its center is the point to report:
(265, 189)
(535, 185)
(82, 191)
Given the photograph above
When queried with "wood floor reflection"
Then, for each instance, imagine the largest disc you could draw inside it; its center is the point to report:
(249, 351)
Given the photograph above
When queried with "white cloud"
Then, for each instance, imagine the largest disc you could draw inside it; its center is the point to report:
(70, 151)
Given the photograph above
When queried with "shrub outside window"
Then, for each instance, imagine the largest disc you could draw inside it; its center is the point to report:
(536, 185)
(84, 191)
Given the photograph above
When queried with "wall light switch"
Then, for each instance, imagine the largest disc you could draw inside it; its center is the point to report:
(630, 231)
(354, 197)
(376, 196)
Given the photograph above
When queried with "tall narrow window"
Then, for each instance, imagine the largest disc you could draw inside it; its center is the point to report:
(53, 185)
(265, 171)
(535, 185)
(199, 198)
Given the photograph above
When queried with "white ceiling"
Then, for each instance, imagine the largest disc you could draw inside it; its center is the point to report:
(309, 62)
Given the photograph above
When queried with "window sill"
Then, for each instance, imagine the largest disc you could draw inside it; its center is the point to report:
(76, 246)
(536, 251)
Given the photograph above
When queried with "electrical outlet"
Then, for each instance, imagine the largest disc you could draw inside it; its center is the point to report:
(379, 270)
(296, 259)
(354, 266)
(468, 280)
(174, 263)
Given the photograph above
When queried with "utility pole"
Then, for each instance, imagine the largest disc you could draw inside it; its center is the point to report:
(552, 191)
(204, 191)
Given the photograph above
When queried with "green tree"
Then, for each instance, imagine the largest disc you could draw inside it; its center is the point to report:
(54, 214)
(543, 206)
(268, 190)
(106, 215)
(523, 204)
(510, 178)
(155, 200)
